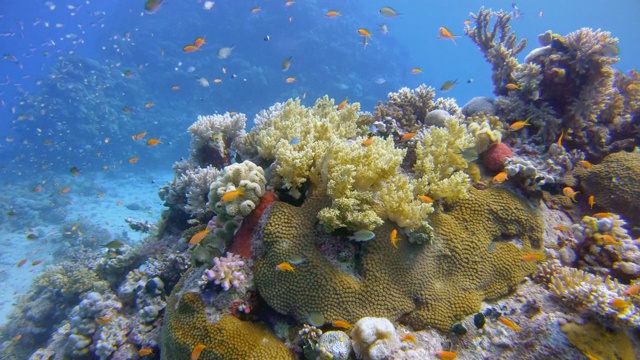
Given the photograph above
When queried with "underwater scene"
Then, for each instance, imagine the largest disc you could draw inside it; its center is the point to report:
(319, 179)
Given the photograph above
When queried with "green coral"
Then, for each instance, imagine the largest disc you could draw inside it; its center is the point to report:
(475, 255)
(440, 163)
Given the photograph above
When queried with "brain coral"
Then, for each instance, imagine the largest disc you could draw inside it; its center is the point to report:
(186, 325)
(614, 184)
(475, 255)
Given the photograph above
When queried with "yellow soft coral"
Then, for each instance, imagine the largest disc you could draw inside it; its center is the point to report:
(440, 162)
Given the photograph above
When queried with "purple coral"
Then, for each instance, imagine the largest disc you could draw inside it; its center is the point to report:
(227, 272)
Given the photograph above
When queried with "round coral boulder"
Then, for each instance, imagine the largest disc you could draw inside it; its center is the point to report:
(493, 158)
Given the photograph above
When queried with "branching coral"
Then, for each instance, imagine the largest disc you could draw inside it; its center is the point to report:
(228, 272)
(213, 137)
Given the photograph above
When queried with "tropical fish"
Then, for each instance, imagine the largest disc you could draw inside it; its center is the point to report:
(610, 240)
(289, 80)
(559, 142)
(343, 103)
(509, 323)
(332, 13)
(585, 163)
(289, 3)
(512, 86)
(408, 337)
(388, 11)
(341, 324)
(364, 32)
(383, 29)
(22, 262)
(285, 266)
(225, 52)
(408, 136)
(37, 188)
(190, 48)
(394, 238)
(133, 160)
(175, 87)
(602, 215)
(425, 199)
(500, 178)
(591, 201)
(203, 82)
(199, 42)
(139, 136)
(115, 244)
(448, 85)
(568, 191)
(196, 238)
(619, 304)
(561, 228)
(196, 351)
(128, 73)
(255, 9)
(368, 141)
(151, 6)
(149, 104)
(632, 290)
(74, 171)
(100, 195)
(126, 110)
(153, 142)
(103, 320)
(230, 195)
(32, 237)
(416, 70)
(286, 63)
(519, 125)
(145, 352)
(446, 355)
(362, 235)
(65, 190)
(17, 337)
(444, 33)
(294, 141)
(532, 257)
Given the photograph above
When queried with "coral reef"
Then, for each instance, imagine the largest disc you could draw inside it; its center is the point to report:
(246, 177)
(422, 285)
(213, 137)
(374, 338)
(228, 272)
(477, 105)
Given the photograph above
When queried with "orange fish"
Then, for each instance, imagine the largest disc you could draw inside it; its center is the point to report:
(133, 160)
(190, 48)
(425, 199)
(343, 103)
(342, 324)
(561, 228)
(149, 104)
(65, 190)
(289, 80)
(446, 355)
(364, 32)
(633, 290)
(36, 262)
(119, 203)
(394, 238)
(175, 87)
(198, 236)
(444, 33)
(591, 201)
(289, 3)
(408, 136)
(37, 188)
(509, 323)
(602, 215)
(409, 337)
(610, 240)
(332, 13)
(532, 257)
(100, 195)
(255, 9)
(416, 70)
(103, 320)
(22, 262)
(519, 125)
(230, 195)
(559, 143)
(145, 352)
(368, 141)
(106, 140)
(568, 191)
(217, 81)
(196, 351)
(500, 178)
(17, 337)
(139, 136)
(285, 266)
(199, 42)
(619, 304)
(512, 86)
(585, 163)
(153, 142)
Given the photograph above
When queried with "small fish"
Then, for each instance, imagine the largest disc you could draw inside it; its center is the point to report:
(568, 191)
(362, 235)
(561, 228)
(190, 48)
(267, 38)
(128, 73)
(103, 320)
(409, 337)
(610, 240)
(37, 188)
(100, 195)
(425, 199)
(151, 6)
(500, 178)
(230, 195)
(11, 213)
(196, 238)
(289, 3)
(364, 32)
(74, 171)
(285, 266)
(341, 324)
(532, 257)
(149, 104)
(153, 142)
(602, 215)
(289, 80)
(416, 70)
(470, 154)
(32, 237)
(175, 87)
(286, 63)
(469, 81)
(368, 141)
(408, 136)
(585, 163)
(65, 190)
(559, 142)
(509, 323)
(394, 238)
(632, 290)
(133, 160)
(444, 33)
(343, 103)
(446, 355)
(591, 201)
(611, 50)
(388, 11)
(199, 42)
(126, 110)
(512, 86)
(145, 352)
(383, 29)
(332, 13)
(22, 262)
(294, 141)
(225, 52)
(448, 85)
(115, 244)
(619, 304)
(519, 125)
(203, 82)
(196, 351)
(139, 136)
(255, 9)
(17, 337)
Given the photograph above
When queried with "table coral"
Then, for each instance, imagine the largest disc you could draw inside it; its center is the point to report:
(186, 325)
(475, 254)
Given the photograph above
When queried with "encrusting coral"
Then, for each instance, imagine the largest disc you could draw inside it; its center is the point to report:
(421, 285)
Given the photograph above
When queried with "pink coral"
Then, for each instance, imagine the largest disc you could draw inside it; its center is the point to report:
(493, 158)
(227, 272)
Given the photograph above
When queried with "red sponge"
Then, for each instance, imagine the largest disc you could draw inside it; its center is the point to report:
(493, 158)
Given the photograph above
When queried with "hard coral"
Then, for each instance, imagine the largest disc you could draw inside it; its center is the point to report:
(213, 136)
(246, 177)
(228, 272)
(475, 254)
